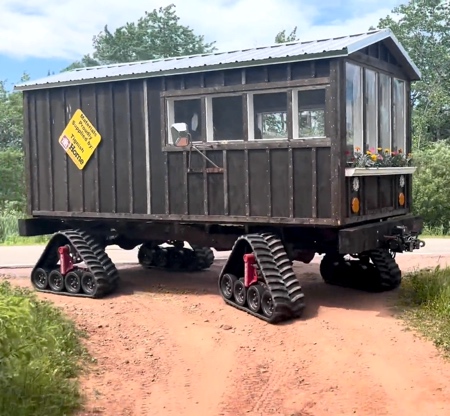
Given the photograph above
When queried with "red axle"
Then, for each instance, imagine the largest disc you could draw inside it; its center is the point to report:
(65, 260)
(250, 274)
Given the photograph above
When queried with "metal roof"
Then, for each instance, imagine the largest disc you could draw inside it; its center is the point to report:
(272, 54)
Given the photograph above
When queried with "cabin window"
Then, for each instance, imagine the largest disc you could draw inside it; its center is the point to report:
(187, 111)
(354, 106)
(227, 118)
(270, 115)
(399, 115)
(311, 113)
(385, 111)
(371, 109)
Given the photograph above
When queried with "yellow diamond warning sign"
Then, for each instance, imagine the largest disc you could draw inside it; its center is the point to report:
(79, 139)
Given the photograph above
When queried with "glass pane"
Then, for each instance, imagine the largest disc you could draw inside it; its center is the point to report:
(385, 111)
(354, 119)
(399, 141)
(228, 118)
(270, 115)
(189, 112)
(311, 113)
(371, 110)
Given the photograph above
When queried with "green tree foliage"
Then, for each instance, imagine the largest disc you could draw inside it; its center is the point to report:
(281, 37)
(158, 34)
(12, 180)
(11, 119)
(430, 182)
(423, 28)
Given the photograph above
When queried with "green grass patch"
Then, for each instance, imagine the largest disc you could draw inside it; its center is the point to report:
(424, 299)
(41, 356)
(9, 231)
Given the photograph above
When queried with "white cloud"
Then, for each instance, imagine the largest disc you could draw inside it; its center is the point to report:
(64, 28)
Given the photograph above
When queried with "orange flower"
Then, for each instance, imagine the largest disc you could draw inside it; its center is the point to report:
(357, 148)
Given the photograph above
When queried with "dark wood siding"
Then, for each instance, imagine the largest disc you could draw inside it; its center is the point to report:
(133, 174)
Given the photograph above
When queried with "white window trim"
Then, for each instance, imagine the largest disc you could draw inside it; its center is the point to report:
(251, 114)
(295, 115)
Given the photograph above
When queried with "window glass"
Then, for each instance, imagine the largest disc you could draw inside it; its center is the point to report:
(385, 111)
(228, 118)
(399, 140)
(311, 113)
(371, 116)
(189, 112)
(354, 119)
(270, 115)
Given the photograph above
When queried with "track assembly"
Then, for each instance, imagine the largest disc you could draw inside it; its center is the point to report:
(258, 279)
(57, 270)
(383, 274)
(176, 257)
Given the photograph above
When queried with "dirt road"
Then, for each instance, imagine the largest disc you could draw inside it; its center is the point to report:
(166, 344)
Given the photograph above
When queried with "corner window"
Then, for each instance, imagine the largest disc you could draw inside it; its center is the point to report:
(371, 109)
(399, 115)
(354, 105)
(311, 113)
(385, 111)
(270, 115)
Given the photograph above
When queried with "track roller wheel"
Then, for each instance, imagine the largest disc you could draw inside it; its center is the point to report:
(226, 285)
(254, 293)
(56, 281)
(88, 283)
(72, 282)
(160, 257)
(240, 292)
(39, 278)
(145, 256)
(267, 303)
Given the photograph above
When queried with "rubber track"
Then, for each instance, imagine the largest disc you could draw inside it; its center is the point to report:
(390, 274)
(284, 265)
(93, 255)
(204, 257)
(271, 276)
(383, 274)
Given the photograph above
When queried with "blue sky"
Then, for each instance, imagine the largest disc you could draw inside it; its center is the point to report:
(47, 36)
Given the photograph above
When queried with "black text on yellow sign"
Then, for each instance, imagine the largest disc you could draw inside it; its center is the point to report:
(79, 139)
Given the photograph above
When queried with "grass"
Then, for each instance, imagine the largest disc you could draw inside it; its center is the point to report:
(9, 232)
(41, 356)
(424, 299)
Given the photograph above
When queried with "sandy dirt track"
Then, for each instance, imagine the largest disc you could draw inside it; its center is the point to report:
(166, 344)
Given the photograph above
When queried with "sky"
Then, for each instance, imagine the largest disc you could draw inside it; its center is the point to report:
(48, 35)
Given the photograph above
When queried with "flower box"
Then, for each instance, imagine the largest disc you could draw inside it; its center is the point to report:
(402, 170)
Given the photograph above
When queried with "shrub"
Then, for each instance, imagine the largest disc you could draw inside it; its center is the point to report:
(41, 356)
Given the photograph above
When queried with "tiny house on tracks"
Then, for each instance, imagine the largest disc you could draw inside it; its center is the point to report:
(276, 153)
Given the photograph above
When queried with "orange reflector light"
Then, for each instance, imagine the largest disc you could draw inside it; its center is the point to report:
(401, 198)
(355, 205)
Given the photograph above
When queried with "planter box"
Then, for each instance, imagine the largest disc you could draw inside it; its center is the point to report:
(380, 171)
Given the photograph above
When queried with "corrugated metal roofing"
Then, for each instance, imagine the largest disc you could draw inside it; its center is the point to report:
(277, 53)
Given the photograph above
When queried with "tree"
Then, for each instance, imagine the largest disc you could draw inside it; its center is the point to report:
(156, 35)
(423, 28)
(11, 117)
(282, 38)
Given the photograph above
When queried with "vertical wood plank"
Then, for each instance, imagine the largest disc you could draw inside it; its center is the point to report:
(185, 183)
(268, 185)
(314, 182)
(291, 182)
(226, 204)
(247, 183)
(50, 153)
(130, 149)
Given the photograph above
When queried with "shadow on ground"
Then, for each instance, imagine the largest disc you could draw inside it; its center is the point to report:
(317, 293)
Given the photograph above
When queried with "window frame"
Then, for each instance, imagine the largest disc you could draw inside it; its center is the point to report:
(248, 105)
